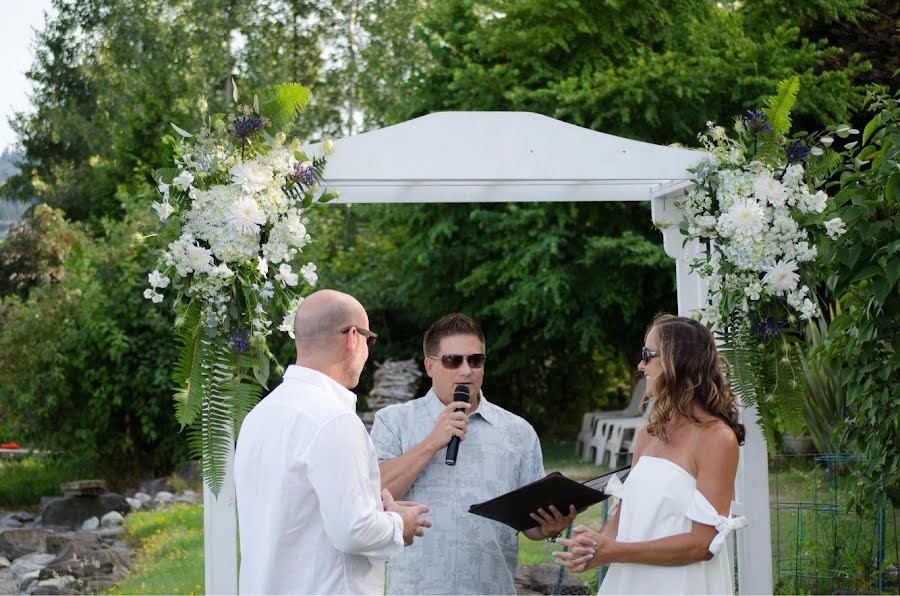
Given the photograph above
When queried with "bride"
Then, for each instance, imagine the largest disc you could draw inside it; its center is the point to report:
(668, 535)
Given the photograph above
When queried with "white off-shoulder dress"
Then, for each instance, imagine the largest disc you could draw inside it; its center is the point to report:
(660, 498)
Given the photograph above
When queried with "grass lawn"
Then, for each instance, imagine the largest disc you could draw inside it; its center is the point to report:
(169, 554)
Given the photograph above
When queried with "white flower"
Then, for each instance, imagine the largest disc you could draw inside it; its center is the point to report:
(327, 146)
(280, 138)
(222, 270)
(308, 272)
(251, 177)
(747, 218)
(247, 216)
(817, 202)
(163, 189)
(768, 189)
(184, 180)
(202, 105)
(287, 324)
(268, 291)
(262, 265)
(286, 276)
(153, 295)
(199, 259)
(753, 290)
(163, 210)
(782, 277)
(835, 227)
(808, 310)
(157, 280)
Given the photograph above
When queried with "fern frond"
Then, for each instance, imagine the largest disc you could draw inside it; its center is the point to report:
(281, 103)
(778, 106)
(821, 167)
(189, 376)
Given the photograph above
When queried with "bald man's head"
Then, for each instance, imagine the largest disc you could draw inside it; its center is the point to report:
(322, 315)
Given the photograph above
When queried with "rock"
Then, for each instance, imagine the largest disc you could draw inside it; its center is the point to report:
(151, 487)
(28, 567)
(111, 533)
(81, 488)
(135, 504)
(143, 497)
(4, 563)
(121, 548)
(164, 497)
(22, 516)
(72, 511)
(91, 523)
(29, 581)
(189, 471)
(54, 585)
(8, 585)
(113, 519)
(10, 522)
(17, 542)
(82, 561)
(542, 579)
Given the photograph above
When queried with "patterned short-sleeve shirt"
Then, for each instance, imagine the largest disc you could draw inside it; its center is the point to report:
(461, 553)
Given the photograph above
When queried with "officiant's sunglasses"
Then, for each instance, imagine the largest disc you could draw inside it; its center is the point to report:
(453, 361)
(370, 336)
(647, 354)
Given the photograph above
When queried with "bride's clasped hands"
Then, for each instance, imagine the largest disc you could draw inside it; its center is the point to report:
(586, 550)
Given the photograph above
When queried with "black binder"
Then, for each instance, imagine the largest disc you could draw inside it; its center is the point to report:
(514, 507)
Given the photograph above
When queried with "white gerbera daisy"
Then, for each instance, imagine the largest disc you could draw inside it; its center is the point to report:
(247, 216)
(747, 218)
(250, 177)
(782, 277)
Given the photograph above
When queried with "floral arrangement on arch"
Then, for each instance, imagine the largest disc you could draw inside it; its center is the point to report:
(233, 217)
(757, 211)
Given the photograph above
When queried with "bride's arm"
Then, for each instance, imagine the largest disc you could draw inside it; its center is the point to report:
(717, 460)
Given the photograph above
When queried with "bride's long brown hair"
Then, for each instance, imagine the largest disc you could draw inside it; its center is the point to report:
(691, 373)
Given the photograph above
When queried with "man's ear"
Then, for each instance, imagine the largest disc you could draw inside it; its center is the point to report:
(429, 365)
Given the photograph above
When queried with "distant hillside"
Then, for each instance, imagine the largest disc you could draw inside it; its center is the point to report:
(10, 211)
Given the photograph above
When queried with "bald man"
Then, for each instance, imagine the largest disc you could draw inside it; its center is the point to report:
(312, 516)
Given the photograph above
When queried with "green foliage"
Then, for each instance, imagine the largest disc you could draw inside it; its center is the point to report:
(778, 107)
(863, 345)
(825, 402)
(84, 364)
(24, 481)
(766, 371)
(282, 103)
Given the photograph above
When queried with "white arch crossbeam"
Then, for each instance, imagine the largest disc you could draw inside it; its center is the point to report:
(470, 157)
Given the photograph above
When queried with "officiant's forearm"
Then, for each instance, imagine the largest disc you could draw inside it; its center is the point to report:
(681, 549)
(400, 473)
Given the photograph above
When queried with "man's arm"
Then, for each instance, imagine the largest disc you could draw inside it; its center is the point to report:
(399, 473)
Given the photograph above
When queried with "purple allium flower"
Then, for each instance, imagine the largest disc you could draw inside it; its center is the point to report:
(240, 339)
(797, 150)
(768, 328)
(756, 122)
(245, 127)
(304, 175)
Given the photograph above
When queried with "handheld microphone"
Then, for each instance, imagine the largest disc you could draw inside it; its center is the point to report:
(461, 393)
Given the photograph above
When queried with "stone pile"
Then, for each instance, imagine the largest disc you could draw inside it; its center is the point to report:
(75, 544)
(395, 382)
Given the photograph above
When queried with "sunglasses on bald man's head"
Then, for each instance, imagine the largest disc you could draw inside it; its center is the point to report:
(370, 336)
(453, 361)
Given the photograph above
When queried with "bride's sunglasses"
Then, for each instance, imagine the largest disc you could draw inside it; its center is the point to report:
(453, 361)
(647, 354)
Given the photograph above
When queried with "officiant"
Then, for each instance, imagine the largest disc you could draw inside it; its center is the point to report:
(498, 452)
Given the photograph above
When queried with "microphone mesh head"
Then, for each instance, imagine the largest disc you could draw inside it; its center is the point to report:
(461, 393)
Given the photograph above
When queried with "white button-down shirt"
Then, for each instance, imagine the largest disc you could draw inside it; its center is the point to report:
(309, 494)
(461, 553)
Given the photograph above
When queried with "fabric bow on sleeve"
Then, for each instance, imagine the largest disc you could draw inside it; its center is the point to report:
(702, 511)
(616, 490)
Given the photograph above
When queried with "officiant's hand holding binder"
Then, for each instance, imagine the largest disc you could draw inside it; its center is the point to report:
(514, 507)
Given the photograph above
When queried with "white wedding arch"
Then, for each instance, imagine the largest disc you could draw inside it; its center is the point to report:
(471, 157)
